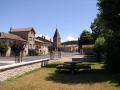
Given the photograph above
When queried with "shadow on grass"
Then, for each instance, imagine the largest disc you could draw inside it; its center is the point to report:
(53, 65)
(84, 77)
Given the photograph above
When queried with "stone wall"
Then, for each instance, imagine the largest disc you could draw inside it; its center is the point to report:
(10, 71)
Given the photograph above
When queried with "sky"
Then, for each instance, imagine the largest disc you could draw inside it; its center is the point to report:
(70, 17)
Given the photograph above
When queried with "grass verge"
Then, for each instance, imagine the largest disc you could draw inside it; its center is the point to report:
(48, 78)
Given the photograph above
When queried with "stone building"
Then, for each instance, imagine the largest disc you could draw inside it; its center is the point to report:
(70, 48)
(87, 49)
(42, 45)
(9, 38)
(29, 35)
(56, 40)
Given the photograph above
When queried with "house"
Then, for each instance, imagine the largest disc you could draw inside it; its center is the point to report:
(87, 49)
(27, 34)
(9, 38)
(70, 48)
(42, 45)
(38, 44)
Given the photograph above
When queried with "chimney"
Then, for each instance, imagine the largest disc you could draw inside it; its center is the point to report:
(44, 37)
(10, 29)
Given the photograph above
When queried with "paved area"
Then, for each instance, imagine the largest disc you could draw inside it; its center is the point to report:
(64, 59)
(11, 60)
(4, 75)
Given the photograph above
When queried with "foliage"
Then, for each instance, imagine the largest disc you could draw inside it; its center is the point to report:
(3, 47)
(69, 42)
(85, 38)
(113, 53)
(51, 48)
(110, 13)
(33, 53)
(98, 28)
(99, 47)
(17, 47)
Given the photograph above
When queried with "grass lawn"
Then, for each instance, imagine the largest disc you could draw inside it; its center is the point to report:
(48, 79)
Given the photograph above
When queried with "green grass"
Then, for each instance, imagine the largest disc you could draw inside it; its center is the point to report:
(48, 78)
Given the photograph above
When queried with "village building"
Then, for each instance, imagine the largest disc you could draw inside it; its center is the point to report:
(29, 35)
(42, 45)
(34, 45)
(70, 48)
(56, 40)
(87, 49)
(8, 39)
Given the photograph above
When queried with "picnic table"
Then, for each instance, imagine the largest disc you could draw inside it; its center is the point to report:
(73, 66)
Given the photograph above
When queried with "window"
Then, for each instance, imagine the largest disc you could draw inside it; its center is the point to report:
(30, 46)
(30, 38)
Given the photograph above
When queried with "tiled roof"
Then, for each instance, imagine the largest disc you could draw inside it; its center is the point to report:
(43, 39)
(10, 36)
(21, 29)
(37, 40)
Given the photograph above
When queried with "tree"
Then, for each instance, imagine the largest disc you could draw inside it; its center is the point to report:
(85, 38)
(3, 48)
(69, 42)
(110, 13)
(18, 47)
(51, 50)
(98, 28)
(99, 47)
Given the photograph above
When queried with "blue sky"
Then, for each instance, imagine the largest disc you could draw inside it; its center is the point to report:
(71, 17)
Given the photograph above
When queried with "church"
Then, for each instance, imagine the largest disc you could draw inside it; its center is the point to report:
(56, 40)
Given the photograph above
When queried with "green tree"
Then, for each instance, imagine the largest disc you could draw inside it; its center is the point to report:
(3, 48)
(85, 38)
(110, 13)
(18, 47)
(98, 28)
(69, 42)
(99, 47)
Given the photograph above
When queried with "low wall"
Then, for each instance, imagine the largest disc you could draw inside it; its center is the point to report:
(18, 69)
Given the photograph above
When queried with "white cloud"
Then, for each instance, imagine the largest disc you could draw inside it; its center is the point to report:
(46, 36)
(71, 38)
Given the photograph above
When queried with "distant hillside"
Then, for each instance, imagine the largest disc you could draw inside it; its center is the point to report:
(69, 42)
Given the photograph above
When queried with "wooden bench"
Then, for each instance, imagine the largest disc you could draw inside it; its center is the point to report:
(63, 67)
(83, 66)
(77, 67)
(77, 59)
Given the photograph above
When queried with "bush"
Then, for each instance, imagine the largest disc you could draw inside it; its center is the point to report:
(33, 52)
(99, 47)
(3, 48)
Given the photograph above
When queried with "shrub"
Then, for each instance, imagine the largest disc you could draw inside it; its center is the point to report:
(99, 47)
(3, 48)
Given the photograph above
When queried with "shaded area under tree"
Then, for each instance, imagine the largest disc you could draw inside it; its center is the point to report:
(83, 76)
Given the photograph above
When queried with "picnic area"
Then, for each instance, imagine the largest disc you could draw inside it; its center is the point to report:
(50, 78)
